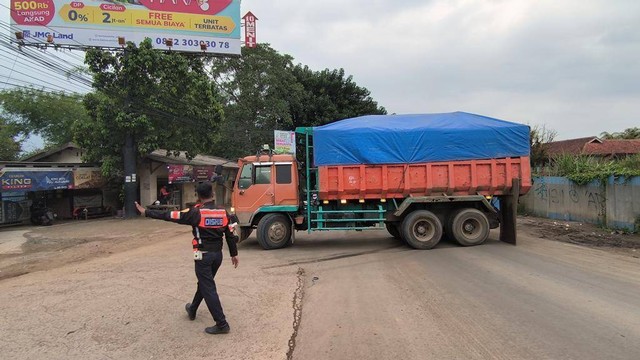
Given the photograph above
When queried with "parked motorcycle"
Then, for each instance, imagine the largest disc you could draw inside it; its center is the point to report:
(41, 214)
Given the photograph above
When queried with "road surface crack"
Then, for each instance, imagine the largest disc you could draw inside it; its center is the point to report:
(298, 295)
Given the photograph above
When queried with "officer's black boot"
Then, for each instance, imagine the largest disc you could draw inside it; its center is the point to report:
(191, 313)
(215, 330)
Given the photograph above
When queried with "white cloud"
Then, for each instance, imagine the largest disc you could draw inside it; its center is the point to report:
(570, 64)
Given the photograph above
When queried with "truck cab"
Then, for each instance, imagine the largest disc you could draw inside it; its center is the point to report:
(267, 185)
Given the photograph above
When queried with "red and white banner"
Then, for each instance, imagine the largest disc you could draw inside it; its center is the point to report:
(250, 39)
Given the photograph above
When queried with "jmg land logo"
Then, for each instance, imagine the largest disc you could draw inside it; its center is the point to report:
(45, 34)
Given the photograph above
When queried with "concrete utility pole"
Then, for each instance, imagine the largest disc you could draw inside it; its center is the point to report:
(129, 156)
(130, 178)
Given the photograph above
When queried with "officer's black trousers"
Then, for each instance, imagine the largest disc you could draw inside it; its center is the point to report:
(206, 270)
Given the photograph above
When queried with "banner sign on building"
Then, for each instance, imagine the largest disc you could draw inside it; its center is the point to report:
(285, 142)
(202, 173)
(87, 179)
(25, 180)
(211, 26)
(180, 173)
(189, 173)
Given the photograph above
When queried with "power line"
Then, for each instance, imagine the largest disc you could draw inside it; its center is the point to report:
(34, 87)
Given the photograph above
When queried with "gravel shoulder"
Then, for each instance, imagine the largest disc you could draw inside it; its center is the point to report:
(126, 300)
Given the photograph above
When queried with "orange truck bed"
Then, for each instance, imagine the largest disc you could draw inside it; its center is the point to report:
(471, 177)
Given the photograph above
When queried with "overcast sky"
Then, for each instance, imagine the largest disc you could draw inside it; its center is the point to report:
(573, 65)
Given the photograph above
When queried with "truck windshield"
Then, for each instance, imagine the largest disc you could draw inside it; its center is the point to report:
(245, 176)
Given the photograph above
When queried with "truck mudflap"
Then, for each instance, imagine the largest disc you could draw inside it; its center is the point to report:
(508, 214)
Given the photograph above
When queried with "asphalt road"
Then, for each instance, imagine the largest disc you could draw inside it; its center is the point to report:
(330, 296)
(538, 300)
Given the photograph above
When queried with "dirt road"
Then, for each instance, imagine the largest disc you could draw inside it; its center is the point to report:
(358, 296)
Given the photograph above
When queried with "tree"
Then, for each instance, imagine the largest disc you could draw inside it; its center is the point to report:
(263, 91)
(258, 90)
(539, 138)
(164, 99)
(49, 114)
(630, 133)
(9, 144)
(330, 96)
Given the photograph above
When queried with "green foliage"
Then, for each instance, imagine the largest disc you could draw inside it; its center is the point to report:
(539, 138)
(51, 115)
(263, 91)
(329, 96)
(9, 142)
(259, 90)
(630, 133)
(584, 169)
(165, 99)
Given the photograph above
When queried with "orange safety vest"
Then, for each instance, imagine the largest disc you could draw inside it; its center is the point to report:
(209, 219)
(213, 218)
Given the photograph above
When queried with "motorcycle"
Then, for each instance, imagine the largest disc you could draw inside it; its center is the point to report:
(41, 214)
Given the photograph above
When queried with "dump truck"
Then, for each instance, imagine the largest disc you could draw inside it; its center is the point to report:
(420, 177)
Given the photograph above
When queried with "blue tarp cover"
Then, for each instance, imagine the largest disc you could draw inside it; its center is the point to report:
(396, 139)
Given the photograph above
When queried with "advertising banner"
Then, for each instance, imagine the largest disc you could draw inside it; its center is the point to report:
(94, 23)
(180, 173)
(202, 173)
(87, 179)
(285, 142)
(189, 173)
(25, 180)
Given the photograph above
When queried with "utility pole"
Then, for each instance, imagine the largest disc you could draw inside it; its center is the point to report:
(130, 177)
(129, 155)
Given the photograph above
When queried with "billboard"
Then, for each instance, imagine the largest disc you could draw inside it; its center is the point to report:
(95, 23)
(27, 180)
(285, 142)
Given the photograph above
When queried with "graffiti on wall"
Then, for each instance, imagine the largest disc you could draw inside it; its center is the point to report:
(594, 199)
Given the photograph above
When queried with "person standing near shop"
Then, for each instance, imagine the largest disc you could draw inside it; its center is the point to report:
(209, 225)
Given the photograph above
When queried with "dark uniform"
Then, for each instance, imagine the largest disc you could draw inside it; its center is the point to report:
(209, 224)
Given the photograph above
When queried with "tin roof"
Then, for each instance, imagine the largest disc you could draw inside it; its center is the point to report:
(199, 160)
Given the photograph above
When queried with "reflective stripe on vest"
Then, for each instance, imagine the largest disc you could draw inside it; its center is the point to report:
(213, 218)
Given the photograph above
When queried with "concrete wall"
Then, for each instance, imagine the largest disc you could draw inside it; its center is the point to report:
(614, 204)
(148, 181)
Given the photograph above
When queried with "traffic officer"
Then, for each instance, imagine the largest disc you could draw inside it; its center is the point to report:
(209, 224)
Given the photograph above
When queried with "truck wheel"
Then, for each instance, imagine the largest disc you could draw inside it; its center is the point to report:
(274, 231)
(468, 227)
(422, 229)
(392, 228)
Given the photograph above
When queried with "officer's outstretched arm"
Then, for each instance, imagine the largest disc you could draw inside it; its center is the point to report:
(186, 217)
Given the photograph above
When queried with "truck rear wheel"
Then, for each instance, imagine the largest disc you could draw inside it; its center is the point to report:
(422, 229)
(392, 228)
(468, 227)
(274, 231)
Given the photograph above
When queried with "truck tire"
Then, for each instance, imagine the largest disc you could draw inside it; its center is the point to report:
(392, 228)
(422, 229)
(468, 227)
(274, 231)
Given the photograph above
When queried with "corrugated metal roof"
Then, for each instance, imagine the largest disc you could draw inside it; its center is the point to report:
(198, 160)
